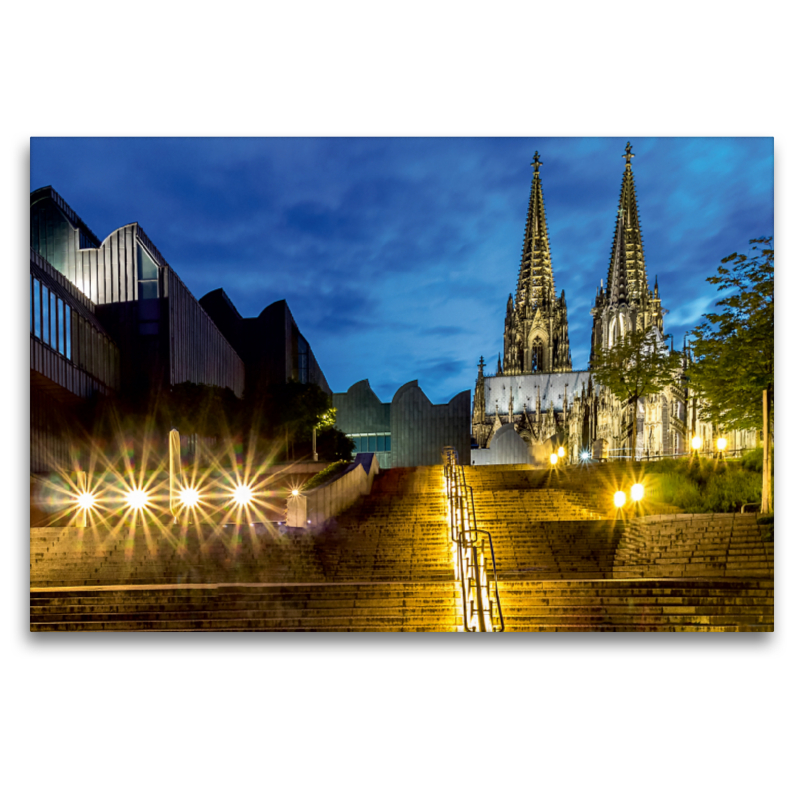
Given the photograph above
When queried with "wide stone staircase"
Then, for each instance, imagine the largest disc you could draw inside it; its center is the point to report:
(567, 562)
(695, 545)
(384, 565)
(638, 605)
(385, 606)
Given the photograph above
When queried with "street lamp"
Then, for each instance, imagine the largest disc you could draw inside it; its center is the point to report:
(561, 452)
(553, 459)
(637, 492)
(619, 499)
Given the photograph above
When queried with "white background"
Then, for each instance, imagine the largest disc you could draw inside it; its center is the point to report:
(644, 716)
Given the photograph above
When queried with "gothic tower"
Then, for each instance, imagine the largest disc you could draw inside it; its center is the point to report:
(626, 304)
(536, 337)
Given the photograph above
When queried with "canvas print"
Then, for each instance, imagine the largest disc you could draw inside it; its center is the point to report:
(402, 384)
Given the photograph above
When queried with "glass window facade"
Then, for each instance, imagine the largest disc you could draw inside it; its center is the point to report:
(45, 314)
(53, 322)
(61, 327)
(52, 319)
(37, 308)
(372, 442)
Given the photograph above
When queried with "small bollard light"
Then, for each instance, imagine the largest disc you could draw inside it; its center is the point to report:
(585, 455)
(136, 499)
(85, 501)
(190, 497)
(619, 499)
(553, 459)
(242, 495)
(637, 492)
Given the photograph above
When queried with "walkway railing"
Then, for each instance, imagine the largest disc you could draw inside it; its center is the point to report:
(480, 600)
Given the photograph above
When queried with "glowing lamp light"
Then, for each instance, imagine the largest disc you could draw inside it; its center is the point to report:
(136, 499)
(189, 497)
(722, 443)
(697, 443)
(561, 452)
(619, 499)
(85, 501)
(242, 495)
(585, 455)
(295, 492)
(553, 459)
(637, 492)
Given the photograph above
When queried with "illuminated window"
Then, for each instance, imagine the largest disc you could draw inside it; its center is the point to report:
(53, 322)
(60, 326)
(37, 309)
(45, 315)
(68, 321)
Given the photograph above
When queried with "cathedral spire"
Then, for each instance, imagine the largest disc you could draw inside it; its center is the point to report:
(627, 274)
(535, 283)
(627, 304)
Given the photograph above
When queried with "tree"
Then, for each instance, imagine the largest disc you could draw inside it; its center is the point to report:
(333, 445)
(734, 350)
(636, 365)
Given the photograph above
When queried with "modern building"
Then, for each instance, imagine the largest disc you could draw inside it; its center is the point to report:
(73, 359)
(410, 431)
(271, 345)
(112, 316)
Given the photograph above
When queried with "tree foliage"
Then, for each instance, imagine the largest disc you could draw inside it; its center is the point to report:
(734, 349)
(636, 365)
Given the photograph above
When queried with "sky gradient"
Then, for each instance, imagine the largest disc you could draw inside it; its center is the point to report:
(397, 255)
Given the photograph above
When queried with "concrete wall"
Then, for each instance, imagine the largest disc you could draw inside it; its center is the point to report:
(358, 410)
(315, 507)
(421, 429)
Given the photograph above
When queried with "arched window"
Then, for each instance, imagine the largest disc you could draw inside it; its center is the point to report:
(537, 355)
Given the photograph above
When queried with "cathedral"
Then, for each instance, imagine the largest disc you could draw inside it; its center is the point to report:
(537, 395)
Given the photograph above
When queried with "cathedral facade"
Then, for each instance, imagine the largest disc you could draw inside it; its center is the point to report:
(536, 391)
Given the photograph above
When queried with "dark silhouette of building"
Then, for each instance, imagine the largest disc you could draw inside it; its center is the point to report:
(271, 345)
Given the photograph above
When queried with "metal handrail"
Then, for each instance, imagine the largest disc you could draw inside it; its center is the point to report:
(494, 572)
(469, 542)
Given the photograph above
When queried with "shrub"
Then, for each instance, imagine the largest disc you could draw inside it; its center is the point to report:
(326, 474)
(703, 485)
(753, 460)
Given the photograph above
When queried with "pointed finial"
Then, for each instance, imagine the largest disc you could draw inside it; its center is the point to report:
(629, 154)
(536, 163)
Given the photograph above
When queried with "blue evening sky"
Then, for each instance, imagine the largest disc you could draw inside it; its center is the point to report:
(397, 255)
